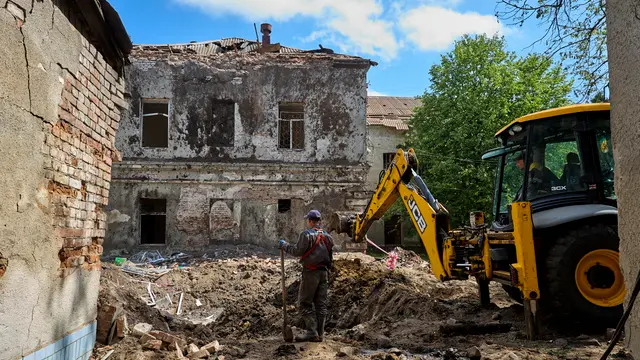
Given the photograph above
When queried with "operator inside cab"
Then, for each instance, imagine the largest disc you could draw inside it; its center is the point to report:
(541, 179)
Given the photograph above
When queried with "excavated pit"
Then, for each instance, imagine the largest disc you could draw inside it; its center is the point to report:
(373, 309)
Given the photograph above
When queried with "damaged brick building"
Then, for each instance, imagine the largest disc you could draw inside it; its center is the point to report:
(234, 140)
(60, 99)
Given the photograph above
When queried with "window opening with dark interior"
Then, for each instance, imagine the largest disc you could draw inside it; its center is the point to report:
(153, 221)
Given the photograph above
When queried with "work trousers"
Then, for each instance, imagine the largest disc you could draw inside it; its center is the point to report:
(314, 289)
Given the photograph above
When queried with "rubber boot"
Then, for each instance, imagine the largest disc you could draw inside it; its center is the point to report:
(321, 321)
(312, 333)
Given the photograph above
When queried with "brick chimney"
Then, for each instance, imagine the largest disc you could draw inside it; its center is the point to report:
(265, 29)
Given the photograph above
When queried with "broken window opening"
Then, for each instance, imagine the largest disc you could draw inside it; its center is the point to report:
(155, 123)
(153, 221)
(291, 126)
(284, 205)
(387, 158)
(223, 122)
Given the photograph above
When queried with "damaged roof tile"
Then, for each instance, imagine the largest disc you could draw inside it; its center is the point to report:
(391, 111)
(214, 47)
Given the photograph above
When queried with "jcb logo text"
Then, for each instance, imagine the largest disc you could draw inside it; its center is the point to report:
(417, 216)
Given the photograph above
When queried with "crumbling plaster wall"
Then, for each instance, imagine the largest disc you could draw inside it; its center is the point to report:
(334, 97)
(623, 43)
(50, 230)
(380, 140)
(251, 192)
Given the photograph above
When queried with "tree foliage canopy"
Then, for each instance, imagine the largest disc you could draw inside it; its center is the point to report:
(476, 89)
(575, 31)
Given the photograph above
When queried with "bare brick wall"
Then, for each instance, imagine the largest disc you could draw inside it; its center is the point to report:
(59, 116)
(79, 150)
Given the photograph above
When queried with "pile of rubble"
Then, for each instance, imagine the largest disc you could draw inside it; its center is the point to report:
(227, 303)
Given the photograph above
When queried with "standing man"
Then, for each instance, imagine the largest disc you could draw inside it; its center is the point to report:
(315, 249)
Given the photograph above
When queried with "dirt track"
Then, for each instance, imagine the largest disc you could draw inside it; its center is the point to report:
(373, 311)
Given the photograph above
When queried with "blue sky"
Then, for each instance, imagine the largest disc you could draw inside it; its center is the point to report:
(404, 36)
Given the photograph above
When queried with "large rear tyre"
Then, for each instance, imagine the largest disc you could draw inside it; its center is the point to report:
(584, 283)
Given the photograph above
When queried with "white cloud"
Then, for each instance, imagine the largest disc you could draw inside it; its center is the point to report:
(356, 25)
(435, 28)
(373, 28)
(374, 93)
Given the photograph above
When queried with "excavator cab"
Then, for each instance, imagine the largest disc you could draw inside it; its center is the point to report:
(561, 162)
(554, 159)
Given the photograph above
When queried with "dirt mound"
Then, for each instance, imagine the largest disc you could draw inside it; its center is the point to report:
(234, 296)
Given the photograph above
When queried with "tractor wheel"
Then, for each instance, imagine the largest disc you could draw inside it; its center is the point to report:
(513, 292)
(584, 282)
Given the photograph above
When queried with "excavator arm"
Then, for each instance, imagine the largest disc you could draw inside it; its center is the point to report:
(453, 254)
(430, 218)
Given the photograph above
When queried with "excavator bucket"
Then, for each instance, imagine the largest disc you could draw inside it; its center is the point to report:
(342, 222)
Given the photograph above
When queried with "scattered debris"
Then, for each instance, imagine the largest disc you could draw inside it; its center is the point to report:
(146, 337)
(147, 257)
(141, 329)
(167, 338)
(192, 348)
(179, 353)
(147, 272)
(106, 356)
(179, 311)
(357, 332)
(212, 347)
(152, 345)
(108, 321)
(400, 314)
(199, 354)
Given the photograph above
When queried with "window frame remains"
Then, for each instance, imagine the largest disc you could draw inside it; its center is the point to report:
(387, 158)
(144, 101)
(290, 119)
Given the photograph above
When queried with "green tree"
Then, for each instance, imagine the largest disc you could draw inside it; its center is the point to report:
(476, 89)
(575, 31)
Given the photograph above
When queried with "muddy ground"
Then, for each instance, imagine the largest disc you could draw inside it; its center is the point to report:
(375, 313)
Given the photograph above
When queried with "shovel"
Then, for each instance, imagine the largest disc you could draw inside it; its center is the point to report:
(287, 333)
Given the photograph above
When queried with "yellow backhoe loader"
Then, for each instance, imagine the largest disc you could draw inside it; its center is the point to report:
(553, 242)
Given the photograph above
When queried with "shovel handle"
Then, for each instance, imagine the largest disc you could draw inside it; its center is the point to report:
(284, 288)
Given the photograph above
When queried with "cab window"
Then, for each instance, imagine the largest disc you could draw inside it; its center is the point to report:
(555, 165)
(512, 180)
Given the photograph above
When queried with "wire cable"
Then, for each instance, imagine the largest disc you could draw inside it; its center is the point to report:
(623, 319)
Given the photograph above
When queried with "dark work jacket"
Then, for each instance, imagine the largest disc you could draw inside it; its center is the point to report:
(320, 257)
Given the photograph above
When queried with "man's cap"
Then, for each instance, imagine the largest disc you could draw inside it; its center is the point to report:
(313, 215)
(520, 156)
